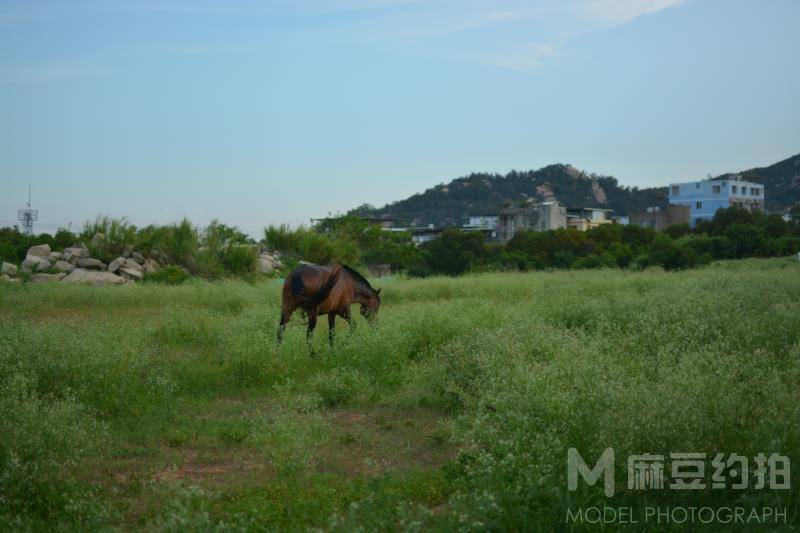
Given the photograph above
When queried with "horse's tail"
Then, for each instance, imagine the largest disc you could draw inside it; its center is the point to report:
(323, 292)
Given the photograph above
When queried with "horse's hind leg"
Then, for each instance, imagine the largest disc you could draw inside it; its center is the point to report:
(282, 326)
(312, 323)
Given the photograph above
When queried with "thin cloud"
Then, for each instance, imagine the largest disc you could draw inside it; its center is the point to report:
(570, 20)
(434, 27)
(618, 12)
(529, 57)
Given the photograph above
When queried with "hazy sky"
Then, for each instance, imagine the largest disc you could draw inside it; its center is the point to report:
(277, 111)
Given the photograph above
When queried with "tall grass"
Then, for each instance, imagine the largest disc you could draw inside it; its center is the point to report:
(117, 401)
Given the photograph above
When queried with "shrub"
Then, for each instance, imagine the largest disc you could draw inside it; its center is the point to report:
(171, 275)
(117, 233)
(239, 260)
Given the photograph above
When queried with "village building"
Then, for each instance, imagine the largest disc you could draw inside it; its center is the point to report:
(532, 217)
(660, 218)
(486, 224)
(705, 197)
(586, 218)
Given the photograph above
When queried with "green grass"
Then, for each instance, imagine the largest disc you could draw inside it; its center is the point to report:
(168, 408)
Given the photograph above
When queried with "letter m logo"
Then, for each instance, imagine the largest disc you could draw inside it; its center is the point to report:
(576, 465)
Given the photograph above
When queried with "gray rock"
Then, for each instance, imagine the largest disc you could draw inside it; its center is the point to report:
(127, 250)
(130, 263)
(72, 254)
(131, 273)
(158, 256)
(91, 263)
(54, 256)
(32, 261)
(264, 265)
(44, 264)
(98, 239)
(4, 277)
(40, 250)
(150, 266)
(93, 277)
(44, 278)
(63, 266)
(8, 269)
(114, 265)
(139, 258)
(278, 265)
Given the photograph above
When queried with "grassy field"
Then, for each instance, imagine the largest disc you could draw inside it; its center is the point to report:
(169, 408)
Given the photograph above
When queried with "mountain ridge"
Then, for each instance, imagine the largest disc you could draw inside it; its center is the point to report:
(483, 192)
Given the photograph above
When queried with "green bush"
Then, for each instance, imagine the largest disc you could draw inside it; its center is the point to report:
(239, 260)
(117, 234)
(171, 275)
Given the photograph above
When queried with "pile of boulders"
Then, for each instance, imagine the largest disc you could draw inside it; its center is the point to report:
(75, 265)
(268, 261)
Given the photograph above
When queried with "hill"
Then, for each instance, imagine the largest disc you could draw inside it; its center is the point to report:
(781, 182)
(479, 193)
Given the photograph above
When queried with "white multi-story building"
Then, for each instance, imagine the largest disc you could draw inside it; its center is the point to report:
(706, 196)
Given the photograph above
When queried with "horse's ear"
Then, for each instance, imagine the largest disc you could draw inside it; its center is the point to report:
(378, 291)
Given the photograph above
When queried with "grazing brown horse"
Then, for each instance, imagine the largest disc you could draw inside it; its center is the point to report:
(327, 290)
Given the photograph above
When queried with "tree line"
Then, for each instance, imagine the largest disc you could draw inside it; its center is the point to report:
(219, 250)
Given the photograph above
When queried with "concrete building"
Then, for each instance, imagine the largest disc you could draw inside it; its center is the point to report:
(533, 217)
(486, 224)
(660, 218)
(705, 197)
(480, 221)
(587, 218)
(419, 235)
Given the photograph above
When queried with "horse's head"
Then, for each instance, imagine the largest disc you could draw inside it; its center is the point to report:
(370, 307)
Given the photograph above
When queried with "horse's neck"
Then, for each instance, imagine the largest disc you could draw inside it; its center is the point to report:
(360, 293)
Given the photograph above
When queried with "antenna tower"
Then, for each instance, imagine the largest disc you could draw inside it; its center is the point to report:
(27, 216)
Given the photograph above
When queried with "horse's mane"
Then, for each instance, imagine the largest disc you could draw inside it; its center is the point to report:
(357, 276)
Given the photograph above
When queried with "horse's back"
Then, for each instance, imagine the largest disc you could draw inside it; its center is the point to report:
(304, 282)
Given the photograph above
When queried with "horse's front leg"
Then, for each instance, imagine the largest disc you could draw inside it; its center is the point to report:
(331, 328)
(350, 322)
(312, 323)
